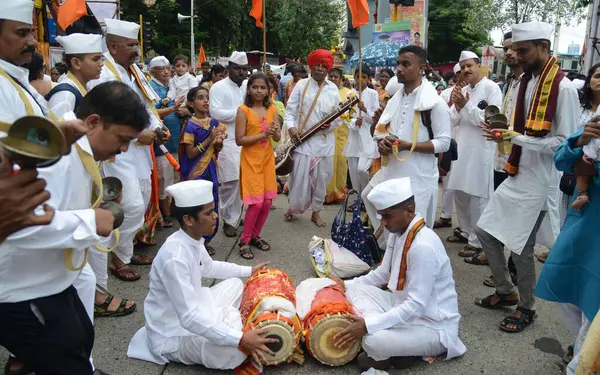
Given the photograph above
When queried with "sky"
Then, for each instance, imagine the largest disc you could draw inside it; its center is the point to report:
(568, 34)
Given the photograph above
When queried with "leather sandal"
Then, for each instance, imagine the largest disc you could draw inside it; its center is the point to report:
(501, 300)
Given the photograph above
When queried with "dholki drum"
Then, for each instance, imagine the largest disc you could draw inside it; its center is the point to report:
(329, 314)
(269, 301)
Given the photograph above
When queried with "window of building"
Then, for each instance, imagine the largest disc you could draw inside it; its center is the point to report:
(574, 65)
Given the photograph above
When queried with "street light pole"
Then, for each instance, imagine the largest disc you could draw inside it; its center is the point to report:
(193, 57)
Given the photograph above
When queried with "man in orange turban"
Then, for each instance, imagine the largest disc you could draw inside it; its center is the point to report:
(313, 159)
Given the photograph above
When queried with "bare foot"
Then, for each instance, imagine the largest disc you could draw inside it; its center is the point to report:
(289, 217)
(316, 218)
(582, 200)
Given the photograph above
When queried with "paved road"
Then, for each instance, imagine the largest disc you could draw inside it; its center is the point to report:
(537, 351)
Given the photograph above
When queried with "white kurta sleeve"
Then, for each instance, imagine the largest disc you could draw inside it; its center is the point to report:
(566, 120)
(61, 103)
(454, 116)
(291, 108)
(423, 267)
(192, 82)
(380, 275)
(218, 109)
(440, 124)
(223, 270)
(471, 111)
(194, 309)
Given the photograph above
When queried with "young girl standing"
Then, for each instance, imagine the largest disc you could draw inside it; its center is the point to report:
(256, 123)
(201, 141)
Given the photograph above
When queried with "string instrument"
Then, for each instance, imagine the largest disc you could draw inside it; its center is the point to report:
(284, 162)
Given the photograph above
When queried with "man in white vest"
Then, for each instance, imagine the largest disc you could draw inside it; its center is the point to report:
(133, 167)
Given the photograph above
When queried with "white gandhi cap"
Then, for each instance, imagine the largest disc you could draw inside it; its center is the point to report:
(17, 10)
(390, 193)
(466, 55)
(239, 58)
(158, 62)
(123, 29)
(81, 43)
(531, 31)
(191, 193)
(456, 68)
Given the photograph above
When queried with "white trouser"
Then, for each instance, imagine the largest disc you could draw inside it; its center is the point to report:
(359, 172)
(98, 260)
(196, 350)
(166, 175)
(136, 196)
(308, 182)
(447, 199)
(230, 203)
(468, 210)
(402, 340)
(577, 323)
(85, 284)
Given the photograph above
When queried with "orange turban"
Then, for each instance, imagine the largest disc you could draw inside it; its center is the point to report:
(320, 56)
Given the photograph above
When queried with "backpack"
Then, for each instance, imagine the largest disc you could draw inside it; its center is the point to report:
(65, 87)
(447, 157)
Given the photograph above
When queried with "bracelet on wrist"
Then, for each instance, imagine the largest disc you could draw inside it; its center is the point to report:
(200, 148)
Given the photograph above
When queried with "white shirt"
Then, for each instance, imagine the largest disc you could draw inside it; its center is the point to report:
(429, 295)
(137, 158)
(360, 142)
(323, 143)
(180, 85)
(47, 78)
(535, 187)
(225, 99)
(11, 106)
(472, 172)
(509, 104)
(63, 101)
(32, 263)
(199, 78)
(177, 304)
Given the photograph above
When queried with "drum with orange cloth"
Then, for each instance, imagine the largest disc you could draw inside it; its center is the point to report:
(269, 301)
(329, 314)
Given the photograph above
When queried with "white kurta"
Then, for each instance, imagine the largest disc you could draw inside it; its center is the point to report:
(421, 168)
(323, 143)
(180, 85)
(360, 142)
(11, 105)
(64, 101)
(178, 308)
(428, 299)
(513, 210)
(38, 252)
(225, 98)
(472, 173)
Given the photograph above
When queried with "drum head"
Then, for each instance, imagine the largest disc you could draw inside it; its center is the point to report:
(321, 341)
(283, 349)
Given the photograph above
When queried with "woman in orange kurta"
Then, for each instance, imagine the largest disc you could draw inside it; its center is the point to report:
(256, 123)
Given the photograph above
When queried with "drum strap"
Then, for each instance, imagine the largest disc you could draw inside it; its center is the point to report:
(312, 106)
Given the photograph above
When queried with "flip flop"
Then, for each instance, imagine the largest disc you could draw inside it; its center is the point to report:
(476, 261)
(469, 251)
(457, 239)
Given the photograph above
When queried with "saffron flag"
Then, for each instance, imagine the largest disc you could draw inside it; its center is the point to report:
(65, 12)
(201, 55)
(257, 12)
(360, 12)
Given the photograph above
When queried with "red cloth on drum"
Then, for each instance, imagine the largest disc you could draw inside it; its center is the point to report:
(265, 283)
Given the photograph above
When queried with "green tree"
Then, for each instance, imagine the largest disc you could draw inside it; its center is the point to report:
(452, 30)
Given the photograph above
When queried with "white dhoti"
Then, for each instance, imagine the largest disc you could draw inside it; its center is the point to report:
(359, 172)
(576, 322)
(447, 200)
(196, 350)
(403, 340)
(85, 284)
(308, 182)
(468, 210)
(230, 203)
(166, 175)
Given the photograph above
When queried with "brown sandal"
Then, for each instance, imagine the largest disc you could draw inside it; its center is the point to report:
(141, 260)
(101, 309)
(124, 273)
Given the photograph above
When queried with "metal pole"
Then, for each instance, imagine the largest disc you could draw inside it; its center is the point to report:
(193, 52)
(142, 38)
(264, 19)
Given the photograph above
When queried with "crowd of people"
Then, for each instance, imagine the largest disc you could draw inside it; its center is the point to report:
(199, 150)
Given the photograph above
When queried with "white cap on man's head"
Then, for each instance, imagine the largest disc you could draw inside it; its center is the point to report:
(75, 44)
(239, 58)
(467, 55)
(532, 31)
(192, 193)
(390, 193)
(125, 29)
(158, 62)
(17, 10)
(456, 68)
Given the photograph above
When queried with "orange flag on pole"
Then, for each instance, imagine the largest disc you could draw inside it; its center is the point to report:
(257, 12)
(360, 12)
(65, 12)
(201, 55)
